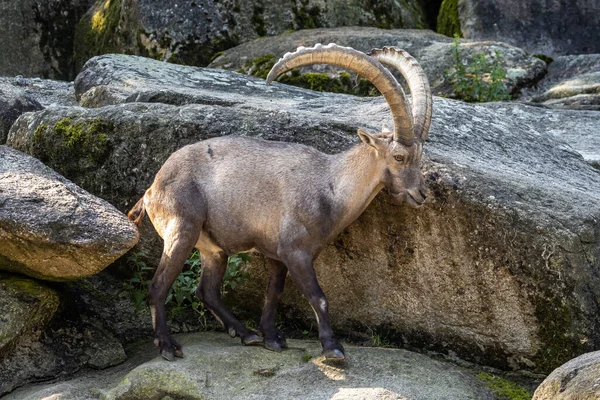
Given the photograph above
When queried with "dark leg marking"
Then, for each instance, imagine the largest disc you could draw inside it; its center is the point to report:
(273, 339)
(209, 292)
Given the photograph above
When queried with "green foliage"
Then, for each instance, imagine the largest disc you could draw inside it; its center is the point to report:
(137, 285)
(478, 80)
(305, 17)
(69, 147)
(261, 66)
(96, 34)
(182, 295)
(503, 389)
(258, 21)
(448, 22)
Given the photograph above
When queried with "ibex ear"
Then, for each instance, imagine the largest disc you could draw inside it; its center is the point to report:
(370, 139)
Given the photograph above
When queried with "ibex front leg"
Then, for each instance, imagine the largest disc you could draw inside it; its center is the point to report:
(303, 274)
(209, 292)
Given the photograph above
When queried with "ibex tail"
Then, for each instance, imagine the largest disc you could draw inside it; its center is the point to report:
(138, 211)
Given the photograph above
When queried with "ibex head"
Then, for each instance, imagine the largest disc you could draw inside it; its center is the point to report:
(399, 152)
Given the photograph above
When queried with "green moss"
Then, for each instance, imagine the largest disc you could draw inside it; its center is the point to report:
(305, 17)
(306, 357)
(559, 345)
(97, 34)
(503, 389)
(448, 22)
(320, 82)
(72, 148)
(258, 21)
(544, 58)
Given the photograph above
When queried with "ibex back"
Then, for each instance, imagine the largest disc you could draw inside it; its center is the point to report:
(228, 195)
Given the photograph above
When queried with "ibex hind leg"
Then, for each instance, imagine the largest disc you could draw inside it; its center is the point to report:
(179, 242)
(273, 338)
(209, 292)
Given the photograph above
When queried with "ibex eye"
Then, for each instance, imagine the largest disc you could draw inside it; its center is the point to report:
(400, 159)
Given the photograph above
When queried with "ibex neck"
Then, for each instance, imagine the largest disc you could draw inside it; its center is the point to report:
(357, 177)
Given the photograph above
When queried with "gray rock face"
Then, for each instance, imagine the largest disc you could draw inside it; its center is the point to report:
(572, 82)
(19, 95)
(218, 367)
(192, 32)
(50, 228)
(432, 50)
(499, 265)
(578, 379)
(13, 102)
(553, 28)
(38, 37)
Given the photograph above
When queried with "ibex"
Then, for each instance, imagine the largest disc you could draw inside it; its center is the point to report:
(228, 195)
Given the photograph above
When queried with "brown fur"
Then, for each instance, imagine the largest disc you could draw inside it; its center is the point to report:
(136, 214)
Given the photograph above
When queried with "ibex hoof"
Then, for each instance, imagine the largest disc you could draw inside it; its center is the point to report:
(252, 339)
(333, 354)
(273, 345)
(167, 355)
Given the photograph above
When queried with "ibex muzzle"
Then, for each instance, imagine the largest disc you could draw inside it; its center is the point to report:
(228, 195)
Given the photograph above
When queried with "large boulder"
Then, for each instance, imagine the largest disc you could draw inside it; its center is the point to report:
(572, 82)
(578, 379)
(37, 37)
(498, 267)
(433, 51)
(218, 367)
(193, 32)
(554, 27)
(50, 228)
(19, 95)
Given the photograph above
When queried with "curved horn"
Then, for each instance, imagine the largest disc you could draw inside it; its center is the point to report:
(368, 67)
(417, 83)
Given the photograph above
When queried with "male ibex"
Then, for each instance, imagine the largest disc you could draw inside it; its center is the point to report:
(228, 195)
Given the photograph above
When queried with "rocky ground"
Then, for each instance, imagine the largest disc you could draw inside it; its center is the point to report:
(217, 367)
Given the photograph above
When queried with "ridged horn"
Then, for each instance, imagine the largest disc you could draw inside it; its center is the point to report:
(417, 83)
(366, 66)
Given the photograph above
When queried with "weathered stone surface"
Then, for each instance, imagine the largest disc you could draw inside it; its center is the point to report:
(192, 32)
(26, 307)
(432, 50)
(37, 37)
(578, 379)
(13, 102)
(50, 228)
(499, 266)
(19, 95)
(550, 27)
(218, 367)
(572, 82)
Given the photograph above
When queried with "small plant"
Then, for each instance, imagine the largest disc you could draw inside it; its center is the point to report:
(182, 295)
(137, 285)
(480, 79)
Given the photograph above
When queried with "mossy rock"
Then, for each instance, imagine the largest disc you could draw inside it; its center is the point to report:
(448, 22)
(73, 147)
(341, 82)
(26, 308)
(97, 32)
